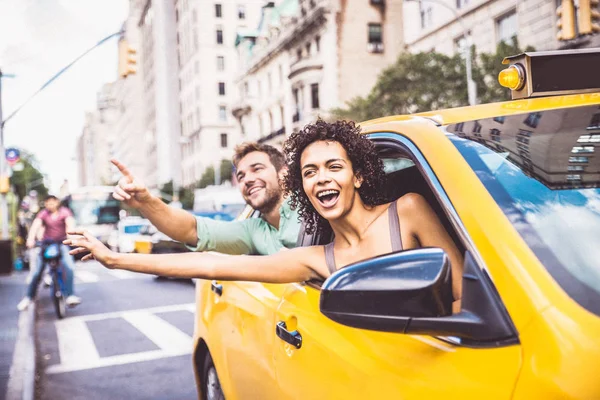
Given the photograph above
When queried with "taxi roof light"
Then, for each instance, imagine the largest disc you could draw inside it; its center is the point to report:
(512, 77)
(551, 73)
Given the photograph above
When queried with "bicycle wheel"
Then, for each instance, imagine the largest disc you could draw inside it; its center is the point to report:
(58, 298)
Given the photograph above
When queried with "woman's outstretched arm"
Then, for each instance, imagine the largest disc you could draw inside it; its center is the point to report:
(296, 265)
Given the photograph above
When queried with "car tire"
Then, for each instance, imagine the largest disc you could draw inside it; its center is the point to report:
(211, 386)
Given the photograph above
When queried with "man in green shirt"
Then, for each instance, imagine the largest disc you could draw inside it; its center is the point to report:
(258, 169)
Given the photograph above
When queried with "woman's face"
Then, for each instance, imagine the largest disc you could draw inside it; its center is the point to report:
(328, 178)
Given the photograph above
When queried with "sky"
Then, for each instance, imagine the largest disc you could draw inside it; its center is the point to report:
(37, 39)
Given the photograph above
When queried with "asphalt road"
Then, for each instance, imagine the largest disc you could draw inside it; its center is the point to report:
(131, 338)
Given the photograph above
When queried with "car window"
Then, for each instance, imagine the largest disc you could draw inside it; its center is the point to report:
(544, 173)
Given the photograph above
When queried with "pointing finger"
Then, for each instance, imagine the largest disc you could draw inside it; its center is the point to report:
(122, 168)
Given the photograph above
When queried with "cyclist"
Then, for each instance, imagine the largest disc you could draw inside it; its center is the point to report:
(55, 222)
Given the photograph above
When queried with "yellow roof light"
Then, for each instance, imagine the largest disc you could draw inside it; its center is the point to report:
(512, 77)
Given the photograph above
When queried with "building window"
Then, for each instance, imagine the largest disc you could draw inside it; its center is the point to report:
(219, 36)
(220, 63)
(308, 49)
(222, 113)
(299, 54)
(241, 12)
(246, 89)
(506, 27)
(426, 14)
(314, 91)
(462, 3)
(582, 149)
(375, 33)
(218, 11)
(377, 2)
(375, 39)
(318, 43)
(579, 159)
(222, 88)
(460, 45)
(223, 140)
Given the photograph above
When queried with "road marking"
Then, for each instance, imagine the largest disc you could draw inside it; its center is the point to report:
(114, 360)
(75, 342)
(122, 274)
(119, 314)
(86, 276)
(164, 335)
(78, 351)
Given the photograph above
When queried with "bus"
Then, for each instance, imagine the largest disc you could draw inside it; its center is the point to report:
(95, 209)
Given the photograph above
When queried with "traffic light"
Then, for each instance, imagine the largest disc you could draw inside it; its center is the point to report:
(588, 17)
(4, 184)
(127, 59)
(566, 20)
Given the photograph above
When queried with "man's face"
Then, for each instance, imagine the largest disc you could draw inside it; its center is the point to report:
(259, 181)
(51, 205)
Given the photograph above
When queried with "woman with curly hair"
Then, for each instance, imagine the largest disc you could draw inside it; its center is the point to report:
(334, 177)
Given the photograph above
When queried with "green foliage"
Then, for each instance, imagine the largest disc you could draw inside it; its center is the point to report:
(208, 178)
(30, 178)
(226, 169)
(186, 195)
(430, 81)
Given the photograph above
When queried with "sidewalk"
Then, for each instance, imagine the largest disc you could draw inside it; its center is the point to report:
(17, 340)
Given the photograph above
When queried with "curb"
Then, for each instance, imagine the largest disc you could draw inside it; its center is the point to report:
(21, 381)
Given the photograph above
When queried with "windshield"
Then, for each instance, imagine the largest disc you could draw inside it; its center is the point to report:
(543, 171)
(95, 212)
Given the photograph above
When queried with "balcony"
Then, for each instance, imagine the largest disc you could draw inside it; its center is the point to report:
(272, 135)
(241, 107)
(375, 47)
(304, 65)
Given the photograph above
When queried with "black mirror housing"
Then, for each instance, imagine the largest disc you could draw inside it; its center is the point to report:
(385, 292)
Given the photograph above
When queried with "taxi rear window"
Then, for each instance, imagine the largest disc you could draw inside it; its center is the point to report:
(543, 170)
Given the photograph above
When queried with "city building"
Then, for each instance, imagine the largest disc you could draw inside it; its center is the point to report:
(206, 34)
(308, 57)
(447, 25)
(127, 91)
(159, 70)
(96, 144)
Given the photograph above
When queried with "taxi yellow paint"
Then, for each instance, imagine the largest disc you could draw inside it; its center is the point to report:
(557, 357)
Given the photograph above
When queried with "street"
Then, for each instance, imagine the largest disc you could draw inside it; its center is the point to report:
(131, 338)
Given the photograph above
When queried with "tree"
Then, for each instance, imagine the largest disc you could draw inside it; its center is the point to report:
(186, 195)
(430, 81)
(226, 168)
(208, 177)
(30, 178)
(489, 66)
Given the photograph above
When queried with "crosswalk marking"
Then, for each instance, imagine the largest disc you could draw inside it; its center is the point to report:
(122, 274)
(86, 276)
(75, 342)
(78, 351)
(167, 337)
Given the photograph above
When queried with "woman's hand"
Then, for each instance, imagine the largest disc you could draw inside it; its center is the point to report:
(86, 242)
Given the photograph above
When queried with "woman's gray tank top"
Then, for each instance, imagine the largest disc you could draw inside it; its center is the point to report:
(394, 236)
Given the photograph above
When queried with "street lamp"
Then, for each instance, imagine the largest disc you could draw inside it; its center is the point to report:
(471, 86)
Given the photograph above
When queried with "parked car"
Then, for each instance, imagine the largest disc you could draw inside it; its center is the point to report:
(517, 185)
(129, 230)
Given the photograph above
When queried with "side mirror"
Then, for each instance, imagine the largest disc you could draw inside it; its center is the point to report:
(411, 292)
(385, 292)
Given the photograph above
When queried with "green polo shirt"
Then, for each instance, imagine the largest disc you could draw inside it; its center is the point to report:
(249, 236)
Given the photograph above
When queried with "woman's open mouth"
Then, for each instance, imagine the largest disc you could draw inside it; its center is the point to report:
(328, 198)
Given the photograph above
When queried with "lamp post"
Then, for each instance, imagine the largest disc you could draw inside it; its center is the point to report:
(471, 86)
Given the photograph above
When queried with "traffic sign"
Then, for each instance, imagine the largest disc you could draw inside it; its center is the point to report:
(12, 156)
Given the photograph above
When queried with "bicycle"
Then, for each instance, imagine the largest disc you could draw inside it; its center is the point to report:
(51, 256)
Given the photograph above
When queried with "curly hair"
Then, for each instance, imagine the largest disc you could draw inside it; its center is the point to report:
(361, 152)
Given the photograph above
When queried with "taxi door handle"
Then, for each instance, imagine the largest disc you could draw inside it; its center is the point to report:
(292, 337)
(216, 287)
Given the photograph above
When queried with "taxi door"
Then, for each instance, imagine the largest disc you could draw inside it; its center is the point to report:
(243, 320)
(336, 361)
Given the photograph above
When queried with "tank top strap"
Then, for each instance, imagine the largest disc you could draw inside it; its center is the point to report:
(330, 258)
(395, 234)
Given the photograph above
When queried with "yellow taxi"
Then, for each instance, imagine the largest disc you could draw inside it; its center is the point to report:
(517, 184)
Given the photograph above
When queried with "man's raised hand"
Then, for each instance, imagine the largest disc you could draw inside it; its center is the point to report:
(129, 189)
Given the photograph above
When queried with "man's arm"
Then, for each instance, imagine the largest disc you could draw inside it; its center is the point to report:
(175, 223)
(35, 226)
